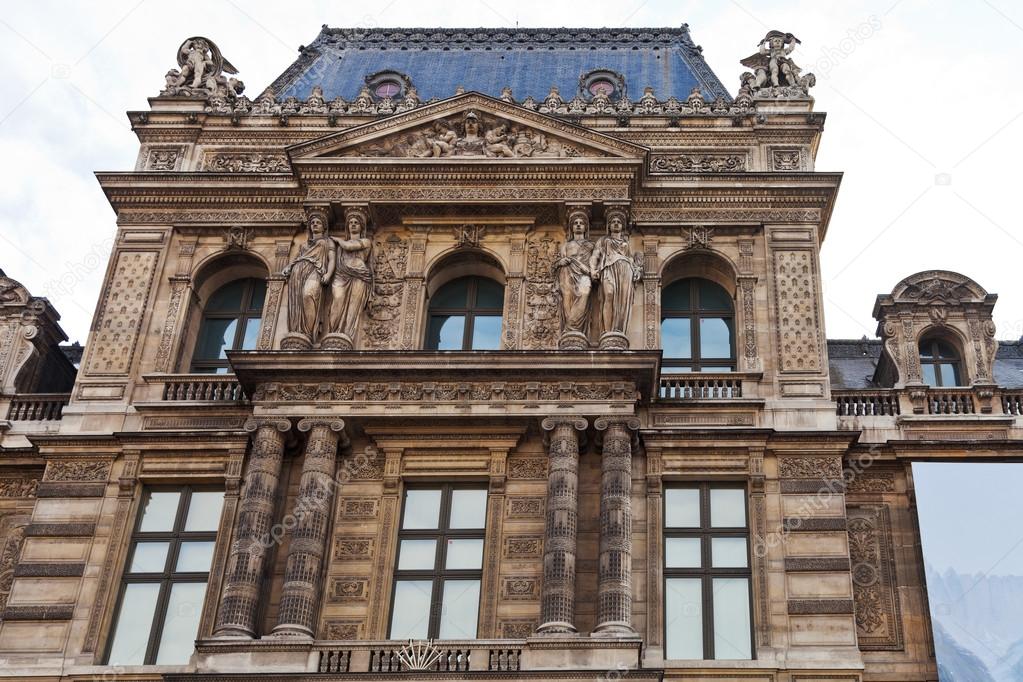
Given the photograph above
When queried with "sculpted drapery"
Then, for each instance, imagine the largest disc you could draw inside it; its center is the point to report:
(342, 265)
(617, 270)
(574, 282)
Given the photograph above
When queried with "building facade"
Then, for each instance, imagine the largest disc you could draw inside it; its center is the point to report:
(481, 353)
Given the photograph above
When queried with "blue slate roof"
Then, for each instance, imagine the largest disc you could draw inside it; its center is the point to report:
(529, 61)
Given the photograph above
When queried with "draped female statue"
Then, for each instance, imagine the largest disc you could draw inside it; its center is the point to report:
(352, 282)
(307, 276)
(617, 270)
(574, 281)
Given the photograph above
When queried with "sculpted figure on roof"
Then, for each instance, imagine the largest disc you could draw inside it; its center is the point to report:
(201, 72)
(774, 73)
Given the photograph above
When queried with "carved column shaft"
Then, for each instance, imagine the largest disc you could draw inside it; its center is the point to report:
(251, 545)
(614, 570)
(308, 535)
(557, 598)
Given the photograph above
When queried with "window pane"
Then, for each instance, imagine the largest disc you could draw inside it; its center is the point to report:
(715, 369)
(676, 337)
(258, 294)
(251, 333)
(728, 508)
(149, 557)
(682, 552)
(675, 296)
(731, 618)
(204, 511)
(928, 374)
(728, 552)
(216, 337)
(195, 557)
(489, 294)
(676, 369)
(446, 332)
(926, 348)
(715, 337)
(422, 509)
(948, 374)
(468, 509)
(713, 297)
(181, 625)
(417, 555)
(464, 554)
(134, 622)
(486, 332)
(459, 609)
(945, 352)
(161, 508)
(683, 619)
(452, 295)
(681, 508)
(410, 618)
(228, 298)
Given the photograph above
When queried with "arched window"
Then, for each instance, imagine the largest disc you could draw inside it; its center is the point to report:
(465, 314)
(939, 363)
(230, 321)
(697, 327)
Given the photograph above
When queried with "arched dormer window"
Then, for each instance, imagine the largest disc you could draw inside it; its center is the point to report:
(230, 321)
(939, 363)
(697, 327)
(465, 314)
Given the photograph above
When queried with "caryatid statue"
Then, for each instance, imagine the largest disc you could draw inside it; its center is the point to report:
(307, 275)
(352, 281)
(617, 270)
(574, 281)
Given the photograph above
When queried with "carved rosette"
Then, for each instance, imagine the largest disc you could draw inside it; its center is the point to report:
(252, 541)
(308, 535)
(557, 598)
(614, 572)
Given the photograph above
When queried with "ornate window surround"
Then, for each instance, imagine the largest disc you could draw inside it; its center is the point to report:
(452, 265)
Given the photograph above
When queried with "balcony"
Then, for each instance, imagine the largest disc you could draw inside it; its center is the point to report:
(885, 408)
(705, 386)
(396, 657)
(37, 407)
(218, 389)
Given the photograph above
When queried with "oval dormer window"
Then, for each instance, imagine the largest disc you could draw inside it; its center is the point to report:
(601, 86)
(386, 89)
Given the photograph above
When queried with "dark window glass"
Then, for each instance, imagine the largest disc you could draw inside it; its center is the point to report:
(230, 321)
(465, 314)
(697, 327)
(939, 363)
(164, 585)
(440, 563)
(707, 591)
(387, 89)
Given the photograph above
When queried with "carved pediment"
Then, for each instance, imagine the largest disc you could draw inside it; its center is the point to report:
(938, 287)
(469, 126)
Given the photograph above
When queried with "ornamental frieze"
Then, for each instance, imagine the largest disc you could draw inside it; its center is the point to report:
(77, 470)
(496, 391)
(245, 162)
(698, 163)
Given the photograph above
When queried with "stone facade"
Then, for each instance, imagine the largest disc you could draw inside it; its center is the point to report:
(355, 213)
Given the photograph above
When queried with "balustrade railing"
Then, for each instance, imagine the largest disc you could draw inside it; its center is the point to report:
(700, 386)
(950, 401)
(420, 655)
(202, 388)
(37, 407)
(866, 403)
(1012, 403)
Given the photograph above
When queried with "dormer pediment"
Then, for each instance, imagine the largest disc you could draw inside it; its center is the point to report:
(470, 127)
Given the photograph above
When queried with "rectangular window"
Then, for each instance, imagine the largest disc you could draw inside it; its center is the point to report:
(439, 563)
(707, 573)
(164, 583)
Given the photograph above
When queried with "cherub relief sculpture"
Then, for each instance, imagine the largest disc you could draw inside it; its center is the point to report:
(774, 73)
(471, 135)
(617, 270)
(307, 275)
(201, 72)
(574, 282)
(340, 265)
(351, 284)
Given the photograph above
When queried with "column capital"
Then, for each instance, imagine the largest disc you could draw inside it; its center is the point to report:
(253, 424)
(628, 422)
(551, 423)
(332, 423)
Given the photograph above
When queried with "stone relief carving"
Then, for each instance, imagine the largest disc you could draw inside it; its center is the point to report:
(163, 159)
(471, 134)
(8, 561)
(485, 391)
(574, 282)
(877, 607)
(697, 237)
(810, 467)
(541, 298)
(120, 313)
(698, 163)
(18, 487)
(327, 262)
(616, 269)
(774, 74)
(527, 468)
(76, 470)
(246, 162)
(383, 312)
(787, 160)
(201, 72)
(796, 306)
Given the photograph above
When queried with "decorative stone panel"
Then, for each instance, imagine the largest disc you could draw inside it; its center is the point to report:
(878, 612)
(119, 318)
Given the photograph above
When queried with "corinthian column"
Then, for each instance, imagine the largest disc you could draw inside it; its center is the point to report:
(557, 599)
(252, 542)
(614, 573)
(308, 536)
